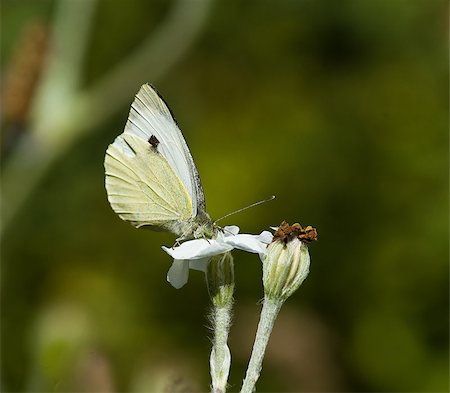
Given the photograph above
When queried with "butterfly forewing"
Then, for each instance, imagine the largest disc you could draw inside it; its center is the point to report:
(150, 116)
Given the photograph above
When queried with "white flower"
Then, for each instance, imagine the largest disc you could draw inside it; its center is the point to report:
(195, 254)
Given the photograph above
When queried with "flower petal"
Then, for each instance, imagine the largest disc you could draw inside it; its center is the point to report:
(199, 264)
(230, 230)
(265, 237)
(250, 243)
(178, 273)
(198, 248)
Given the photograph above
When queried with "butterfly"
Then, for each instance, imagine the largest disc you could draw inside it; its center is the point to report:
(150, 175)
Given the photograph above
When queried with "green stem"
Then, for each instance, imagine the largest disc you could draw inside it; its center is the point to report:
(269, 313)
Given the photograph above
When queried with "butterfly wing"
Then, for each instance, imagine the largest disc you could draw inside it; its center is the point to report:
(143, 188)
(150, 116)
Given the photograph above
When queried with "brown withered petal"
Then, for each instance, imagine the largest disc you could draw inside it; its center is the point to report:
(309, 235)
(281, 232)
(286, 232)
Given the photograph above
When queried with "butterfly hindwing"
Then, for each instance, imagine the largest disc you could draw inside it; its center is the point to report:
(143, 188)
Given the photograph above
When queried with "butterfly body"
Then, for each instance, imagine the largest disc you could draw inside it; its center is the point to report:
(151, 179)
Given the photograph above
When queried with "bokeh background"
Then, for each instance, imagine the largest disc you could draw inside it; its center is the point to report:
(339, 108)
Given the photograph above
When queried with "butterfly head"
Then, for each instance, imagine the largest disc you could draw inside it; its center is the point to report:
(203, 227)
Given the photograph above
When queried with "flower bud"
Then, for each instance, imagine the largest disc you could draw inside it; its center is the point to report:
(286, 263)
(220, 279)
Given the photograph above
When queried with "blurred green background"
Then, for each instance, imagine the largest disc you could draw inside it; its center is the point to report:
(339, 108)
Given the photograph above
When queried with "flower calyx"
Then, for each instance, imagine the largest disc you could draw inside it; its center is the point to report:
(286, 263)
(220, 279)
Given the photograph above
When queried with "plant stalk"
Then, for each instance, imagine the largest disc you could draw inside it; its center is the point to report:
(220, 359)
(220, 281)
(269, 313)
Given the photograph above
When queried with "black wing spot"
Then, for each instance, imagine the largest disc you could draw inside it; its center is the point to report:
(153, 140)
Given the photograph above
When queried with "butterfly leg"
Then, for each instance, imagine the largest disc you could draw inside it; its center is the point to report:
(183, 237)
(177, 243)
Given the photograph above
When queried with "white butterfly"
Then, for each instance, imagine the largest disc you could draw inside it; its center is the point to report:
(151, 178)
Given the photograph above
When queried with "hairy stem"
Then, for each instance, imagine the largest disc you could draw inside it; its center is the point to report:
(269, 313)
(220, 281)
(220, 359)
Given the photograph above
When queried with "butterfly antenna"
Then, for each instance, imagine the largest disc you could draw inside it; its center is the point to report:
(271, 198)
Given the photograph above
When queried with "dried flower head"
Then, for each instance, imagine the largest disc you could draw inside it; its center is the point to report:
(286, 263)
